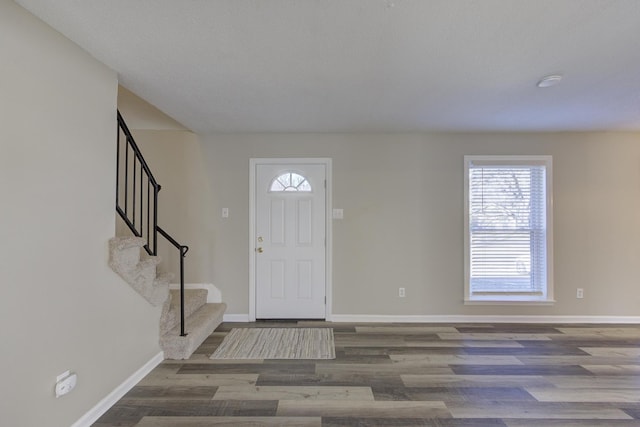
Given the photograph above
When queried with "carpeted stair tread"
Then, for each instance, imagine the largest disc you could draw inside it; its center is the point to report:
(193, 300)
(122, 243)
(148, 262)
(162, 280)
(199, 326)
(138, 271)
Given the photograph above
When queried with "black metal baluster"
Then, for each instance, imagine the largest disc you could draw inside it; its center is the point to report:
(118, 167)
(141, 200)
(155, 220)
(126, 180)
(148, 209)
(133, 189)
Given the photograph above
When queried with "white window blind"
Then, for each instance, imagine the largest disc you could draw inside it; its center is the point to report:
(507, 229)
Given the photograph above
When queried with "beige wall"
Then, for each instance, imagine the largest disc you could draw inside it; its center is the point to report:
(139, 114)
(184, 202)
(402, 197)
(62, 308)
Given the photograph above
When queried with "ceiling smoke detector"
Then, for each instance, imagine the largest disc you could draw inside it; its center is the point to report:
(549, 81)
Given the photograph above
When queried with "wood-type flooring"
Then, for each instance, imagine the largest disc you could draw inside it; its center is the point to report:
(445, 375)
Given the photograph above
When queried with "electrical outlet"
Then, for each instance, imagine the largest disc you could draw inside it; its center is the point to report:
(401, 293)
(65, 383)
(579, 293)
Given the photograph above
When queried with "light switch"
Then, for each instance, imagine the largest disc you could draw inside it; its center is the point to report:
(338, 214)
(225, 212)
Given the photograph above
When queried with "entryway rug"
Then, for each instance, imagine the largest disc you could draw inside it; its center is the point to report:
(277, 343)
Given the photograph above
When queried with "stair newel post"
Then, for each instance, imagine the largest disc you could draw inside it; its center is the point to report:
(183, 253)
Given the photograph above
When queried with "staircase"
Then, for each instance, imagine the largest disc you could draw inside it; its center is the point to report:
(187, 319)
(127, 258)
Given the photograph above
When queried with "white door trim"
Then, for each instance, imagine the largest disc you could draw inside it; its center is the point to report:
(252, 226)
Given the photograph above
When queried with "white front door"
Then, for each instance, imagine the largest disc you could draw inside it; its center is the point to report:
(290, 241)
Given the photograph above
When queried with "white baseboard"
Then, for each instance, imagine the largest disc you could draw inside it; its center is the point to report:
(103, 406)
(213, 296)
(383, 318)
(235, 318)
(366, 318)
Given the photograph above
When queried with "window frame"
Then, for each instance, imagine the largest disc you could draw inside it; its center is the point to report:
(547, 296)
(297, 189)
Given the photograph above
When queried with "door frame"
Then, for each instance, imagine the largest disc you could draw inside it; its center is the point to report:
(328, 253)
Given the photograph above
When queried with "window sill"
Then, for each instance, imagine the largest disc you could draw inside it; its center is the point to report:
(507, 301)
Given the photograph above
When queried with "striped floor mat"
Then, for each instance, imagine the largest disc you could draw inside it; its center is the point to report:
(277, 343)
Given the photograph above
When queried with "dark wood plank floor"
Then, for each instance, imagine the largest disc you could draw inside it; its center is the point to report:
(458, 375)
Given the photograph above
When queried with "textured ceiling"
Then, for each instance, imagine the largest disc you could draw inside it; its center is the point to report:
(368, 65)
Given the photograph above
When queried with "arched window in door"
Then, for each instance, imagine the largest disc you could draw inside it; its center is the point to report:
(290, 181)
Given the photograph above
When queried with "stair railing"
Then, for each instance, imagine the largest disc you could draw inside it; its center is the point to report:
(137, 201)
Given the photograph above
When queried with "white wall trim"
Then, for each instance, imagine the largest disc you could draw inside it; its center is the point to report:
(213, 295)
(236, 318)
(327, 162)
(103, 406)
(366, 318)
(384, 318)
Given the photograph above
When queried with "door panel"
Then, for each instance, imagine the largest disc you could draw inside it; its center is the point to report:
(276, 283)
(290, 243)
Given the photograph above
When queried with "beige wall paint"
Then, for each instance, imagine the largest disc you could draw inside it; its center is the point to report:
(184, 202)
(62, 308)
(139, 114)
(402, 197)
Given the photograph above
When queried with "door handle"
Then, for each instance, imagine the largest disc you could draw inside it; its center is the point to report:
(259, 250)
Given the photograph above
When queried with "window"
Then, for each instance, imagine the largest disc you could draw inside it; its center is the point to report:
(290, 181)
(508, 229)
